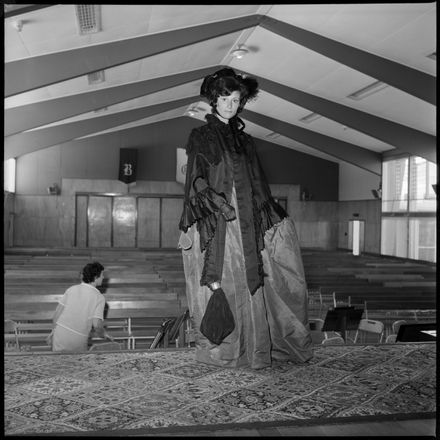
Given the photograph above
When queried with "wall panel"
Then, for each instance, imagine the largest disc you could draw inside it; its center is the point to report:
(124, 222)
(171, 212)
(148, 222)
(99, 216)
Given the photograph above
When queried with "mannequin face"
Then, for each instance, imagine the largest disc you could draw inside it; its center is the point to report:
(227, 106)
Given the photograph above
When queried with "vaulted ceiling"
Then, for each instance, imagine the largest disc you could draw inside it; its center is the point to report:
(138, 64)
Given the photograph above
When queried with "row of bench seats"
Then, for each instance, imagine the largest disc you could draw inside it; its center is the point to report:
(142, 307)
(146, 287)
(386, 283)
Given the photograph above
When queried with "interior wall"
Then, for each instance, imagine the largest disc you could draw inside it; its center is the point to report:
(8, 215)
(318, 176)
(97, 157)
(356, 183)
(44, 220)
(49, 220)
(367, 210)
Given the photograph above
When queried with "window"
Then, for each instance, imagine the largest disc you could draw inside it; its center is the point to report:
(409, 208)
(9, 168)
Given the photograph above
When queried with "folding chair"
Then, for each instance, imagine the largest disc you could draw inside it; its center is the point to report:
(314, 303)
(334, 340)
(162, 333)
(176, 332)
(369, 327)
(324, 338)
(396, 325)
(328, 300)
(390, 339)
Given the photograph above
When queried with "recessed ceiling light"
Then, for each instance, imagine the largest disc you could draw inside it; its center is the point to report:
(310, 118)
(368, 90)
(272, 135)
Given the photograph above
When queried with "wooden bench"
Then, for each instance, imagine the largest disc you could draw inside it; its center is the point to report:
(121, 317)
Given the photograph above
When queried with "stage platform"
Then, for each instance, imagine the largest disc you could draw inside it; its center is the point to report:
(161, 392)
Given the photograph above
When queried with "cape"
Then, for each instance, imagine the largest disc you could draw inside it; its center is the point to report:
(221, 156)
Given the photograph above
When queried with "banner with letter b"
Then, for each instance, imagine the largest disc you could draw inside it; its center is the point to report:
(127, 165)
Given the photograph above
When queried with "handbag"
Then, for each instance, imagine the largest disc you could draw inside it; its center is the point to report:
(218, 320)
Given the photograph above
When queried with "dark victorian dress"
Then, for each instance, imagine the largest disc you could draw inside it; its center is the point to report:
(256, 256)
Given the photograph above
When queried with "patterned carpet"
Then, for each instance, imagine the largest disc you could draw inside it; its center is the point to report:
(61, 393)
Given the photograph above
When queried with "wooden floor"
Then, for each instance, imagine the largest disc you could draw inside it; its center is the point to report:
(402, 428)
(419, 428)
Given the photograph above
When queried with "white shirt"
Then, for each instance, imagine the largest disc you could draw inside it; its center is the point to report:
(82, 303)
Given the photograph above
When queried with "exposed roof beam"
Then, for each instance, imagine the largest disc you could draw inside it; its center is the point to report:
(22, 118)
(16, 9)
(400, 136)
(412, 81)
(34, 140)
(345, 151)
(34, 72)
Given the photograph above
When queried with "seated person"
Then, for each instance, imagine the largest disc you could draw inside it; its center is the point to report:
(80, 309)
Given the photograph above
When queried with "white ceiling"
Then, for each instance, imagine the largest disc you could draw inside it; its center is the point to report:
(404, 33)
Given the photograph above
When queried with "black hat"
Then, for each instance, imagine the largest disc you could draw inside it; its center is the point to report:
(207, 82)
(248, 85)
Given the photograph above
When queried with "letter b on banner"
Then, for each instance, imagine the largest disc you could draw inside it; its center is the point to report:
(127, 165)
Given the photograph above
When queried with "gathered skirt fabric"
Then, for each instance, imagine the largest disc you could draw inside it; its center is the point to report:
(272, 323)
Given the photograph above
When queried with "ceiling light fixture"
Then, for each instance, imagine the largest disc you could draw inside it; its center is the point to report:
(368, 90)
(432, 56)
(310, 118)
(240, 52)
(192, 111)
(18, 25)
(273, 135)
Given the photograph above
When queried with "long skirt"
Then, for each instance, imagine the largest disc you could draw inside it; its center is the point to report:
(269, 325)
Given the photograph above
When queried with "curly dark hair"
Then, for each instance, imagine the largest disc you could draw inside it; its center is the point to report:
(224, 82)
(91, 271)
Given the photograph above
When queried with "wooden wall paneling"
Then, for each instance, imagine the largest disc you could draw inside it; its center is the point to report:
(124, 221)
(171, 212)
(8, 219)
(148, 222)
(99, 215)
(37, 221)
(81, 229)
